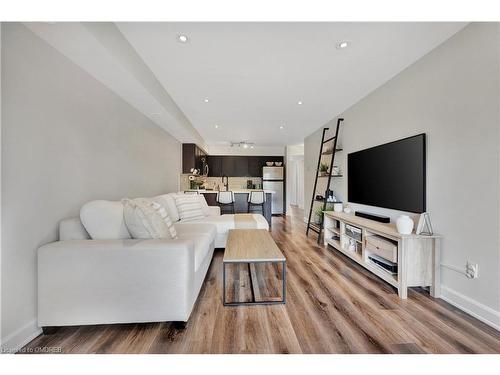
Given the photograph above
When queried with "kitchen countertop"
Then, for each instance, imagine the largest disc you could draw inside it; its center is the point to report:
(235, 191)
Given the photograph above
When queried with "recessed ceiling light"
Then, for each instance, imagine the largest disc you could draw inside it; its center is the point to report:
(343, 44)
(245, 145)
(206, 100)
(182, 38)
(251, 146)
(216, 126)
(282, 127)
(299, 102)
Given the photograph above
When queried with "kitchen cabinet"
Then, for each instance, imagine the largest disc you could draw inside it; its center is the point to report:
(255, 166)
(215, 166)
(229, 166)
(192, 157)
(238, 166)
(235, 166)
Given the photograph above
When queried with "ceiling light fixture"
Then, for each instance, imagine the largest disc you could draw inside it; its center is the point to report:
(282, 127)
(299, 102)
(343, 44)
(216, 126)
(243, 144)
(206, 100)
(182, 38)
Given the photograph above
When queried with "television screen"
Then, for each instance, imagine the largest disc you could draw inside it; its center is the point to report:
(391, 175)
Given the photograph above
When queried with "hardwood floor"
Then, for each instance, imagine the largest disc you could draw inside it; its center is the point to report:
(333, 306)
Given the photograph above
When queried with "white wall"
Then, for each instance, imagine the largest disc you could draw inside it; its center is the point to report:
(66, 139)
(294, 176)
(452, 95)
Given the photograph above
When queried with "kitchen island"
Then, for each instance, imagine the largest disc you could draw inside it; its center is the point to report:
(241, 201)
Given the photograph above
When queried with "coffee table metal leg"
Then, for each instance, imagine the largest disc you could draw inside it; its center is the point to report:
(224, 283)
(251, 282)
(284, 282)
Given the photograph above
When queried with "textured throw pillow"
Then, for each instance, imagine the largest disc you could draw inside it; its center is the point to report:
(103, 220)
(168, 201)
(147, 219)
(189, 207)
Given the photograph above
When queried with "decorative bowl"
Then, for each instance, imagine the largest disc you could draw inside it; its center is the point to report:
(278, 163)
(269, 163)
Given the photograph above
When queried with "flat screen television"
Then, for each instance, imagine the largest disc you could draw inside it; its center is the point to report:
(391, 175)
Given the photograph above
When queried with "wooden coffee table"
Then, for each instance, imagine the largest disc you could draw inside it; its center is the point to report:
(252, 246)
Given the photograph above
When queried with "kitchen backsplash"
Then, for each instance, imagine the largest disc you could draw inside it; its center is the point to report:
(212, 182)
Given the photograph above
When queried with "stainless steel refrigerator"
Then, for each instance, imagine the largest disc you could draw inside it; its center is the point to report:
(272, 179)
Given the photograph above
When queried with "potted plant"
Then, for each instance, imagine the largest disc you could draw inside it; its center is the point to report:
(318, 215)
(323, 169)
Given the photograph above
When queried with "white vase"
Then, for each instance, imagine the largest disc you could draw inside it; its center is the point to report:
(404, 224)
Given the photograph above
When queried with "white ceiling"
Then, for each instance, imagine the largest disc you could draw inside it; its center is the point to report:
(255, 73)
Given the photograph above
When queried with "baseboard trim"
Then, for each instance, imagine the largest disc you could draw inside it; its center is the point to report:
(19, 338)
(479, 311)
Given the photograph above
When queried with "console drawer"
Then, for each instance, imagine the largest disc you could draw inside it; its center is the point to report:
(382, 247)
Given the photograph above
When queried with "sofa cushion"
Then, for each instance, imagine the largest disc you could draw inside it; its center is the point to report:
(184, 230)
(189, 207)
(168, 201)
(104, 220)
(203, 237)
(147, 219)
(224, 223)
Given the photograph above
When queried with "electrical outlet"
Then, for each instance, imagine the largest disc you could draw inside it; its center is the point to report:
(472, 270)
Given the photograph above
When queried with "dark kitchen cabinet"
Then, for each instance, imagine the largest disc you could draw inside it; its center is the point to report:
(215, 166)
(234, 166)
(238, 166)
(192, 157)
(254, 166)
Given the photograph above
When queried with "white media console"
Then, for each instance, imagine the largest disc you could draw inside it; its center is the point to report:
(417, 257)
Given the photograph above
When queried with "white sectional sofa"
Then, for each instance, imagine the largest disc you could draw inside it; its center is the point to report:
(111, 278)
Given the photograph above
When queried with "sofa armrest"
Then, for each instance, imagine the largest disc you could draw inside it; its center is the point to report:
(214, 211)
(112, 281)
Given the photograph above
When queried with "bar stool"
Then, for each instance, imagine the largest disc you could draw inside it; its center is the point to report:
(256, 199)
(225, 199)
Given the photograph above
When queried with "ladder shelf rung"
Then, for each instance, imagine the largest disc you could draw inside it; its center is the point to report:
(331, 152)
(329, 139)
(314, 228)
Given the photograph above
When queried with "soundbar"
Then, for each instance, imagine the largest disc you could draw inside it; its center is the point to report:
(380, 218)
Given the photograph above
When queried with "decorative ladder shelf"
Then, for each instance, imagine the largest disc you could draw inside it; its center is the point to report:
(311, 226)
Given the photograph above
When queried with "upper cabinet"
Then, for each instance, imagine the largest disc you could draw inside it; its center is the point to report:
(238, 166)
(192, 157)
(215, 166)
(219, 165)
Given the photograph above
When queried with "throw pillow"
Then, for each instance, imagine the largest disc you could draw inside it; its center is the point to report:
(189, 207)
(147, 219)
